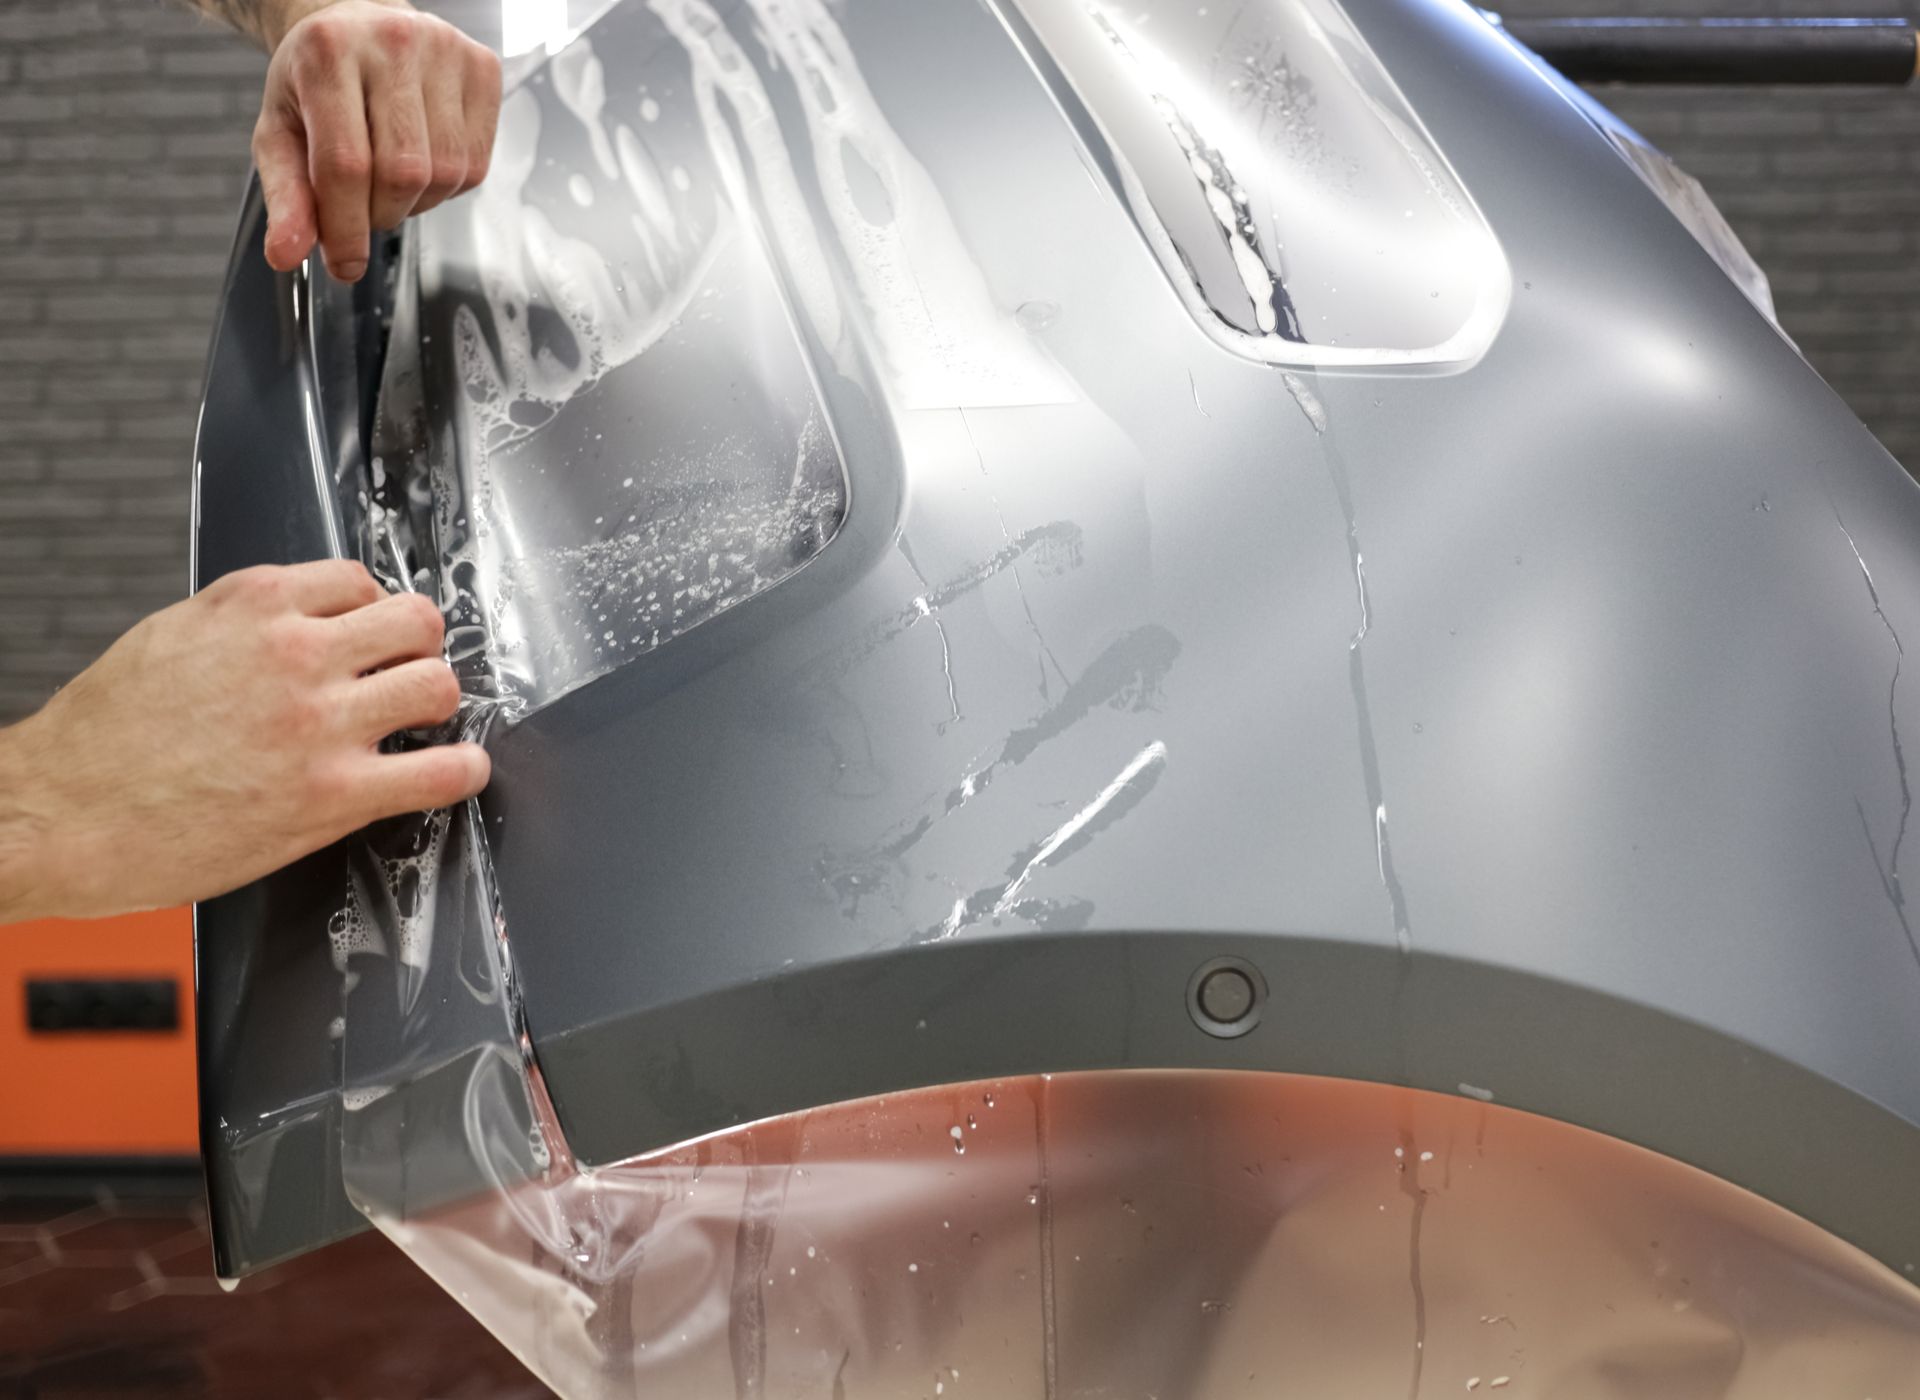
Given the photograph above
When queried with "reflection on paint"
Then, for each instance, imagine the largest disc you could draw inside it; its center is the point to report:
(942, 340)
(1294, 199)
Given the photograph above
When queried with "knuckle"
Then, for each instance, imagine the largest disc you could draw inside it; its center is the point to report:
(357, 577)
(484, 64)
(344, 164)
(350, 576)
(439, 691)
(449, 170)
(260, 586)
(319, 45)
(424, 616)
(224, 589)
(403, 172)
(294, 648)
(396, 31)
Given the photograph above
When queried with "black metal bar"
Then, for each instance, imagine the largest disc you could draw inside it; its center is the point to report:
(1645, 50)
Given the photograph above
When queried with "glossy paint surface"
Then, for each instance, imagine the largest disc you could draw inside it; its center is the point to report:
(1533, 722)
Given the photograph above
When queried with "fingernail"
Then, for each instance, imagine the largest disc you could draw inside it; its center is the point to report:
(350, 271)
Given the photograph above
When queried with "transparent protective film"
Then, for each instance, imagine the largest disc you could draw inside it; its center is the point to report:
(1158, 1234)
(597, 406)
(1695, 209)
(1293, 197)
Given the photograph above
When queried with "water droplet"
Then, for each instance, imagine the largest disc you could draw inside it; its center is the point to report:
(1037, 315)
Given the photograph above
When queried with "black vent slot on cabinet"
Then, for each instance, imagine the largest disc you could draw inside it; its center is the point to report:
(94, 1004)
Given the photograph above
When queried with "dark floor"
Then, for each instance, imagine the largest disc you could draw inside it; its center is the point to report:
(107, 1291)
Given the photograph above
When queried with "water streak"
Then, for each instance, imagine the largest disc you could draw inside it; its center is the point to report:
(1194, 385)
(1019, 584)
(1316, 415)
(1127, 674)
(1049, 1308)
(1889, 872)
(765, 1195)
(1114, 801)
(1410, 1187)
(1084, 824)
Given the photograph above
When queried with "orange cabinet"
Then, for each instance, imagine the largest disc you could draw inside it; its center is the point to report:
(69, 1088)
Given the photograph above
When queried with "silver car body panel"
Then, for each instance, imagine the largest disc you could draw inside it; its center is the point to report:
(1523, 696)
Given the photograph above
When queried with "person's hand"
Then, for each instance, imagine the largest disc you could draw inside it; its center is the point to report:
(372, 112)
(223, 738)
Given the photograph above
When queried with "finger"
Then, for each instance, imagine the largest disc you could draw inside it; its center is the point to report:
(397, 121)
(396, 628)
(414, 695)
(419, 780)
(446, 135)
(480, 98)
(280, 155)
(339, 157)
(330, 587)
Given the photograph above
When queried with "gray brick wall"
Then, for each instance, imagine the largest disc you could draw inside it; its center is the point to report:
(123, 154)
(123, 135)
(1823, 186)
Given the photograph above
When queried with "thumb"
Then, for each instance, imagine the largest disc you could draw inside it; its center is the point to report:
(280, 154)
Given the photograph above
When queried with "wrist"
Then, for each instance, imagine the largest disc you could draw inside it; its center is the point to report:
(26, 882)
